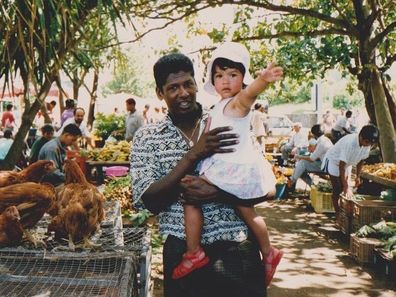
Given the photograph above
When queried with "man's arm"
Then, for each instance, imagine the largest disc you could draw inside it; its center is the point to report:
(165, 191)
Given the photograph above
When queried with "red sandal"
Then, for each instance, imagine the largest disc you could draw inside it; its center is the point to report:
(189, 263)
(271, 262)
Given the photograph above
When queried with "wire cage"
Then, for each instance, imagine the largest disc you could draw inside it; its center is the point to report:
(119, 266)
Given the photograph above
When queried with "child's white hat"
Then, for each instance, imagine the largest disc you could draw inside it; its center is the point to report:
(235, 52)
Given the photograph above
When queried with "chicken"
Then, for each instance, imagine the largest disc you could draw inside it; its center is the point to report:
(79, 208)
(32, 200)
(11, 231)
(32, 173)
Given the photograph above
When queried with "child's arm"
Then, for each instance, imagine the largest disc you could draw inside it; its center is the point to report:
(246, 97)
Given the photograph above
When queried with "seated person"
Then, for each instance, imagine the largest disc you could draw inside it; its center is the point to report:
(312, 162)
(47, 133)
(297, 140)
(5, 144)
(341, 127)
(55, 150)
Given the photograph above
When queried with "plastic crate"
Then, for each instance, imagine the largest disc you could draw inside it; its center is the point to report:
(321, 201)
(384, 263)
(362, 249)
(344, 221)
(366, 212)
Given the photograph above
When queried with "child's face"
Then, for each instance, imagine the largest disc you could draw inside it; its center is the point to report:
(227, 82)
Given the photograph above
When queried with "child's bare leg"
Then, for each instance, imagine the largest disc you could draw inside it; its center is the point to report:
(193, 221)
(258, 227)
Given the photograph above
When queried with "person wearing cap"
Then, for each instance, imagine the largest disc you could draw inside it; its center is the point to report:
(341, 127)
(244, 173)
(47, 133)
(313, 162)
(69, 111)
(297, 141)
(350, 150)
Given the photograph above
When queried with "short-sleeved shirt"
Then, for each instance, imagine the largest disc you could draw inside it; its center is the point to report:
(5, 145)
(82, 126)
(157, 148)
(54, 150)
(133, 121)
(341, 123)
(322, 146)
(67, 114)
(348, 150)
(299, 139)
(7, 120)
(37, 145)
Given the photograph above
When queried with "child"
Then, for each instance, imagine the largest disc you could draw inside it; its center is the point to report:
(243, 173)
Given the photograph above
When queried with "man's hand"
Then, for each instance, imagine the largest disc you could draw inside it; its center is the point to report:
(197, 190)
(271, 74)
(214, 142)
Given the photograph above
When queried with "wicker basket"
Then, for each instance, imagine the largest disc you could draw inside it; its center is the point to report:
(321, 201)
(344, 221)
(347, 204)
(366, 212)
(384, 262)
(362, 249)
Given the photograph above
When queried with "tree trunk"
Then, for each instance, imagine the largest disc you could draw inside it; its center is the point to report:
(390, 100)
(15, 152)
(92, 103)
(384, 119)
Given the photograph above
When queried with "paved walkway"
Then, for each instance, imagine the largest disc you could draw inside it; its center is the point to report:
(316, 261)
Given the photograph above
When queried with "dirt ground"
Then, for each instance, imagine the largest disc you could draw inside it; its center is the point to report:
(316, 260)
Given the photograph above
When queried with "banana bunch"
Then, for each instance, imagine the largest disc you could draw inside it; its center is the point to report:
(384, 170)
(112, 151)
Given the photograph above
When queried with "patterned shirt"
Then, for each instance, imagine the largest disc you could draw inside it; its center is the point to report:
(157, 148)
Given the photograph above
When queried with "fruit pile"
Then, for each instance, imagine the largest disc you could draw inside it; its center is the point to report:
(112, 151)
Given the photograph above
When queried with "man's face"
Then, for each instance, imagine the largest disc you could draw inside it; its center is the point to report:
(69, 139)
(48, 135)
(130, 107)
(179, 93)
(79, 116)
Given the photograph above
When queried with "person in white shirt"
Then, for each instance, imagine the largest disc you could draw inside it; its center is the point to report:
(77, 119)
(351, 150)
(297, 141)
(257, 123)
(341, 127)
(311, 163)
(5, 144)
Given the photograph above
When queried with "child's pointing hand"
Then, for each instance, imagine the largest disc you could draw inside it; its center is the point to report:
(271, 74)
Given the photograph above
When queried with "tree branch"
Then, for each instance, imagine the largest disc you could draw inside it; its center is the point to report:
(379, 37)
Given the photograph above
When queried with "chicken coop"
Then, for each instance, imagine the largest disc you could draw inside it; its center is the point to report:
(119, 266)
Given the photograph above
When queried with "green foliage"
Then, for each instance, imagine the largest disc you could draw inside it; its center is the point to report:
(346, 102)
(288, 92)
(106, 124)
(138, 218)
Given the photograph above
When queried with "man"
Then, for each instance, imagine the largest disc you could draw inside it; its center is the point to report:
(160, 159)
(47, 133)
(55, 150)
(77, 119)
(341, 127)
(297, 141)
(257, 123)
(133, 120)
(311, 163)
(350, 150)
(5, 144)
(8, 119)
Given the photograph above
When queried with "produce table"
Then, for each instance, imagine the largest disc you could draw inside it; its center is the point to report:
(379, 180)
(99, 168)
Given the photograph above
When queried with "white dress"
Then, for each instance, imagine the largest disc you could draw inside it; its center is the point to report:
(244, 173)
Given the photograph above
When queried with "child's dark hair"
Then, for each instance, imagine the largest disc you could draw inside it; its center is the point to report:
(171, 63)
(224, 64)
(370, 132)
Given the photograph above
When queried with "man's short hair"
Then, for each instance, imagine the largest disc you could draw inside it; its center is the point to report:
(70, 103)
(171, 63)
(257, 106)
(370, 132)
(47, 128)
(7, 133)
(78, 108)
(317, 130)
(9, 107)
(72, 129)
(348, 114)
(130, 101)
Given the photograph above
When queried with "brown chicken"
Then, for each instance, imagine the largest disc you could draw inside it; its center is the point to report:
(32, 173)
(11, 231)
(79, 208)
(31, 199)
